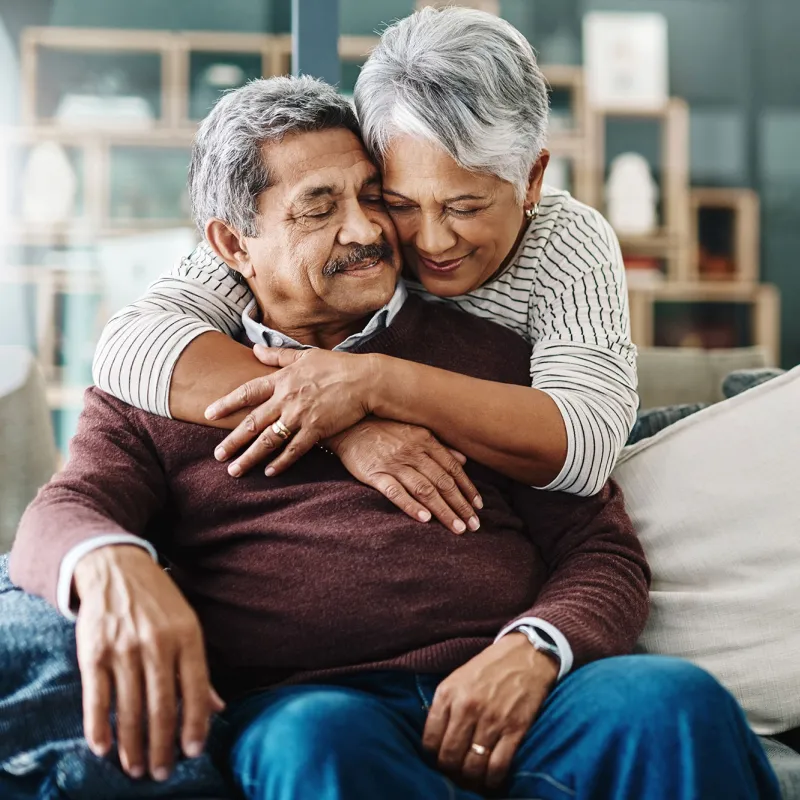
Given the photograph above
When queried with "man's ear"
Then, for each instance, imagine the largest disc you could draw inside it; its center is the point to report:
(230, 246)
(534, 193)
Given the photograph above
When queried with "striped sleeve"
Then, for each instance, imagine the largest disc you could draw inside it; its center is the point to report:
(583, 356)
(141, 344)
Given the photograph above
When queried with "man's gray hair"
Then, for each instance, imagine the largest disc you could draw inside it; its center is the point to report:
(227, 172)
(463, 79)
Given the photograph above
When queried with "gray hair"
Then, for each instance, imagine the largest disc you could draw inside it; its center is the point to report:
(227, 171)
(464, 79)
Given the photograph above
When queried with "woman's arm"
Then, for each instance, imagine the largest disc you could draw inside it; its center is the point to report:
(138, 356)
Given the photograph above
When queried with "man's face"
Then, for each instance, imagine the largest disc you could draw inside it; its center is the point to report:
(327, 251)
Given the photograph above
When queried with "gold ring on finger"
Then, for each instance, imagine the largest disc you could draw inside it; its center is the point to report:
(280, 430)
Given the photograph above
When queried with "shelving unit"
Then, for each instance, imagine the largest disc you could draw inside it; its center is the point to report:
(173, 64)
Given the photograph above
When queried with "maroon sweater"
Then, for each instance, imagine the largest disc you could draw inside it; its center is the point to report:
(312, 573)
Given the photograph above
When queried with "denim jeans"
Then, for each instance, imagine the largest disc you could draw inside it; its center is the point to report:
(43, 753)
(628, 727)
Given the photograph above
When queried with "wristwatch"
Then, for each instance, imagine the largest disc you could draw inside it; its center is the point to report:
(540, 640)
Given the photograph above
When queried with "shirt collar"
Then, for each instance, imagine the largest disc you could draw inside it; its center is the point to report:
(380, 320)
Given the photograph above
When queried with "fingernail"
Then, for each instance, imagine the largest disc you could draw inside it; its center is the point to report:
(99, 749)
(137, 771)
(424, 516)
(211, 412)
(474, 523)
(220, 454)
(478, 502)
(234, 470)
(160, 774)
(194, 749)
(459, 526)
(269, 471)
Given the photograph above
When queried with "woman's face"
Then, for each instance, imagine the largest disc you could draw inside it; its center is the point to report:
(456, 227)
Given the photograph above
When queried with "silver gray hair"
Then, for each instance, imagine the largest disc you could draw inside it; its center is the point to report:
(227, 171)
(464, 79)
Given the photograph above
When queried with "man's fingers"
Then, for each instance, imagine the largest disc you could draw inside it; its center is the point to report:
(199, 699)
(395, 493)
(456, 740)
(486, 735)
(252, 393)
(96, 708)
(162, 715)
(436, 724)
(277, 356)
(500, 759)
(460, 457)
(295, 448)
(130, 708)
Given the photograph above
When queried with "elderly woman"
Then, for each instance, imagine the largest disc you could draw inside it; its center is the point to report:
(453, 108)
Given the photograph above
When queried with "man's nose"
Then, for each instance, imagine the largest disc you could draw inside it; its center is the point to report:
(434, 237)
(357, 227)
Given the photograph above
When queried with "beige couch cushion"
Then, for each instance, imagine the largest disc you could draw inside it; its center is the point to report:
(716, 502)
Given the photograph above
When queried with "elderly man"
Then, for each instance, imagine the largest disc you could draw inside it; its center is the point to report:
(361, 655)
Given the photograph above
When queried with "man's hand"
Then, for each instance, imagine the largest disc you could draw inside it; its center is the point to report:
(315, 394)
(491, 701)
(138, 637)
(412, 469)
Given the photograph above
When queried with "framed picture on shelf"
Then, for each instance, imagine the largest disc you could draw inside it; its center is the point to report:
(626, 60)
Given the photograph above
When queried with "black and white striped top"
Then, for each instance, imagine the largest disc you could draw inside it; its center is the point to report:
(565, 292)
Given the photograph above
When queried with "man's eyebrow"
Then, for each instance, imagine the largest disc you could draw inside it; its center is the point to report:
(315, 192)
(372, 180)
(459, 198)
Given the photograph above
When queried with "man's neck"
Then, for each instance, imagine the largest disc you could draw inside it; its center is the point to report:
(325, 335)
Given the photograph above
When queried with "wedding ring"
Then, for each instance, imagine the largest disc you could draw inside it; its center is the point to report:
(478, 749)
(280, 430)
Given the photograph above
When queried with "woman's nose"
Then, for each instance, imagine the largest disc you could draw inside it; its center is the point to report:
(434, 237)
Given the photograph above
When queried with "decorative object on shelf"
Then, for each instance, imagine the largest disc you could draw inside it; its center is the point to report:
(105, 102)
(561, 47)
(49, 185)
(212, 81)
(643, 271)
(626, 60)
(631, 196)
(725, 235)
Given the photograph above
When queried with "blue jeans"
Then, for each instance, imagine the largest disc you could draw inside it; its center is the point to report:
(641, 727)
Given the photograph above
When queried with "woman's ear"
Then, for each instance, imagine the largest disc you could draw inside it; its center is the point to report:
(534, 193)
(230, 246)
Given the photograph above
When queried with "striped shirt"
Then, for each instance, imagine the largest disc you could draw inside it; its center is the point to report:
(564, 292)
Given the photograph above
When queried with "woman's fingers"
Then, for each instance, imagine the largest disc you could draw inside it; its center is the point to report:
(294, 449)
(252, 393)
(395, 492)
(462, 496)
(256, 431)
(425, 491)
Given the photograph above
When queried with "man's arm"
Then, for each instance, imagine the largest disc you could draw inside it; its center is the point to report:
(595, 598)
(137, 638)
(597, 591)
(111, 486)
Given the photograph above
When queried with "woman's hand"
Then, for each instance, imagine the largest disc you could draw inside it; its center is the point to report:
(315, 394)
(412, 469)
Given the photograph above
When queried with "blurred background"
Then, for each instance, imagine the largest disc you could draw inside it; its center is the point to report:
(678, 118)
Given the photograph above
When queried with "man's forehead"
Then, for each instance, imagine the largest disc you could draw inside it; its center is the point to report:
(330, 160)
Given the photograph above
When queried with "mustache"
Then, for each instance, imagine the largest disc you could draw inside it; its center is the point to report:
(380, 251)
